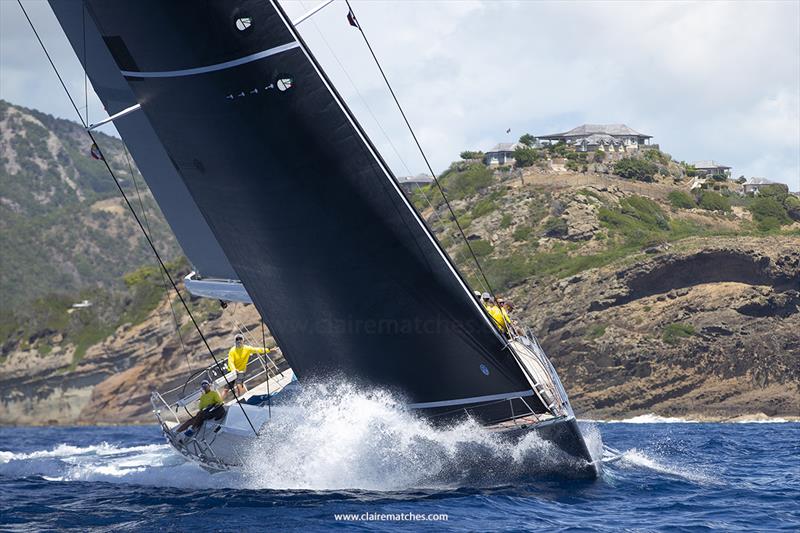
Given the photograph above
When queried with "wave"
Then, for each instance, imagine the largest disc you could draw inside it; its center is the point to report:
(637, 459)
(340, 437)
(337, 437)
(651, 418)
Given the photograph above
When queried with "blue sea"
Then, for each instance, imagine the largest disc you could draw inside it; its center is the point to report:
(658, 475)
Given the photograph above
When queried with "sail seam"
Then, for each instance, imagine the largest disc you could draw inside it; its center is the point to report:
(213, 68)
(474, 399)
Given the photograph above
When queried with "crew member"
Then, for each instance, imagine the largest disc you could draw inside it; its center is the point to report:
(497, 314)
(210, 408)
(238, 356)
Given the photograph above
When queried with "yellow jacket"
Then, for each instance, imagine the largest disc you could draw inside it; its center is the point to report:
(499, 316)
(238, 357)
(208, 399)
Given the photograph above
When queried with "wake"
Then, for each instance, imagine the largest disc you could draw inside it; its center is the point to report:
(332, 437)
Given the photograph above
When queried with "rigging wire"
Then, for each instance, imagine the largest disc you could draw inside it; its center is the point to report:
(132, 210)
(163, 279)
(422, 152)
(377, 122)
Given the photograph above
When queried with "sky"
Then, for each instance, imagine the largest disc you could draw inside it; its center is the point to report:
(708, 80)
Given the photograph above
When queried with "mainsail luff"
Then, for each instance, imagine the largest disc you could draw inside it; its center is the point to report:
(305, 210)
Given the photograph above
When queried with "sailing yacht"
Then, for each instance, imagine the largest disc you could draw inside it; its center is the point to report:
(280, 199)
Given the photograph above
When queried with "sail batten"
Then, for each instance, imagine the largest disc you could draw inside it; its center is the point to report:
(348, 277)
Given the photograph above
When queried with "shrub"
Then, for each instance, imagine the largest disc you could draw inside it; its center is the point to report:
(505, 222)
(635, 169)
(483, 207)
(674, 333)
(559, 149)
(526, 157)
(573, 166)
(638, 219)
(467, 181)
(719, 177)
(481, 248)
(792, 205)
(776, 190)
(680, 200)
(596, 331)
(769, 213)
(599, 156)
(521, 233)
(712, 201)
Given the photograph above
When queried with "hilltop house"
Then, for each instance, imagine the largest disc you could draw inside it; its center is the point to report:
(605, 137)
(410, 183)
(753, 185)
(502, 154)
(711, 168)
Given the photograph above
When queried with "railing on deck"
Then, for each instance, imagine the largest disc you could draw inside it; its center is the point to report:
(180, 400)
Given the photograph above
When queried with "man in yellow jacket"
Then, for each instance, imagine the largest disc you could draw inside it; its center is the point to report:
(238, 356)
(499, 316)
(209, 407)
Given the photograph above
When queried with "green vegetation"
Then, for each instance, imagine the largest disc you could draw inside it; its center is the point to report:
(657, 156)
(526, 157)
(521, 233)
(528, 140)
(675, 333)
(635, 169)
(469, 154)
(681, 200)
(506, 221)
(483, 207)
(768, 213)
(596, 331)
(712, 201)
(465, 180)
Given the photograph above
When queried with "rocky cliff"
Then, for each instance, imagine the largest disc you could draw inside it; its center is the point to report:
(649, 297)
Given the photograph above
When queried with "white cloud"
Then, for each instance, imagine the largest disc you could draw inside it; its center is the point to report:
(710, 80)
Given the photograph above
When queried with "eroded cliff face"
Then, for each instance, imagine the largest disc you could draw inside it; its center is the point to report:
(113, 381)
(709, 330)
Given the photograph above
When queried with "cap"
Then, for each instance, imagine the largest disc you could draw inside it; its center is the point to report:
(205, 382)
(477, 293)
(486, 296)
(238, 337)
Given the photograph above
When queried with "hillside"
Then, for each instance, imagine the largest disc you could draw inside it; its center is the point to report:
(648, 297)
(63, 226)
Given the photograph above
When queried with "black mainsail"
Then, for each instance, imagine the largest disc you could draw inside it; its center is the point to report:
(307, 214)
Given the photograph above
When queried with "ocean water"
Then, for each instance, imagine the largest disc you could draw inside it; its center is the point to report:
(371, 460)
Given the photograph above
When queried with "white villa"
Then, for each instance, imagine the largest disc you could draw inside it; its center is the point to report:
(605, 137)
(502, 154)
(753, 185)
(410, 183)
(710, 168)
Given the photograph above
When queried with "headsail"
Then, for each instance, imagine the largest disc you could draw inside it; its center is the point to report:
(349, 278)
(182, 214)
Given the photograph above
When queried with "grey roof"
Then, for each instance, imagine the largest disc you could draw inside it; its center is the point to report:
(419, 178)
(759, 181)
(708, 164)
(585, 130)
(506, 147)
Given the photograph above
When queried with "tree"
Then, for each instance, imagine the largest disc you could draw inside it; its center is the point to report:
(469, 154)
(528, 140)
(769, 213)
(526, 157)
(635, 169)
